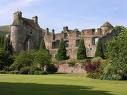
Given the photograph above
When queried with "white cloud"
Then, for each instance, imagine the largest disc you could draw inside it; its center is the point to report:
(13, 5)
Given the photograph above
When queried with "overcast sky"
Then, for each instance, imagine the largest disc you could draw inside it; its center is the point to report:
(73, 13)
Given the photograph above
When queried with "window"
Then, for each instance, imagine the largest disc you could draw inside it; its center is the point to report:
(95, 40)
(55, 44)
(77, 42)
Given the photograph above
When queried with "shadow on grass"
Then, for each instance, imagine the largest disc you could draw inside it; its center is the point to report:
(47, 89)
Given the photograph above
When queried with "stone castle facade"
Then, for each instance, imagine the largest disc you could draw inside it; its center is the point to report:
(26, 34)
(72, 38)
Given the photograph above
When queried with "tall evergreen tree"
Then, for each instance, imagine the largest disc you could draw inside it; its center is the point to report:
(81, 53)
(42, 44)
(100, 49)
(62, 52)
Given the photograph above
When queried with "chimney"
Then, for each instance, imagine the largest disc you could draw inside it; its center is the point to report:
(35, 19)
(53, 32)
(65, 28)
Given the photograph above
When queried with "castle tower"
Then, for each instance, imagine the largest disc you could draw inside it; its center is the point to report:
(106, 27)
(35, 19)
(17, 35)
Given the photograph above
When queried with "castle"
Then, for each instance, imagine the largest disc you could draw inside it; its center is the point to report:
(72, 38)
(26, 34)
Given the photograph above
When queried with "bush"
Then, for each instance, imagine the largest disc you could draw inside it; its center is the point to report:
(3, 72)
(51, 68)
(24, 70)
(113, 73)
(33, 69)
(24, 59)
(72, 62)
(94, 68)
(54, 61)
(40, 73)
(13, 72)
(41, 58)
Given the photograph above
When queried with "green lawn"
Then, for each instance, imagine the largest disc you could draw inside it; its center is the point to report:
(59, 84)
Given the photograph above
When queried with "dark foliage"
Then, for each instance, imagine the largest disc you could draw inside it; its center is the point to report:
(62, 52)
(81, 53)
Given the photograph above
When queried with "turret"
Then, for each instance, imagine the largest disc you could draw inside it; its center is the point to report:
(35, 19)
(17, 15)
(106, 27)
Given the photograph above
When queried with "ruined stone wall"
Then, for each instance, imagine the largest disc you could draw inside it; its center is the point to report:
(72, 37)
(65, 68)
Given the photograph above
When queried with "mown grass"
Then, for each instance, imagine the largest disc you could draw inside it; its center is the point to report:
(59, 84)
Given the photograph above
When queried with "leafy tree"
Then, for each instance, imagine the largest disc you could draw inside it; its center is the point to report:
(42, 58)
(2, 41)
(62, 52)
(101, 49)
(22, 60)
(81, 53)
(2, 58)
(117, 55)
(5, 59)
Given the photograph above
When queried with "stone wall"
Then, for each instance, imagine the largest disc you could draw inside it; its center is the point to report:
(65, 68)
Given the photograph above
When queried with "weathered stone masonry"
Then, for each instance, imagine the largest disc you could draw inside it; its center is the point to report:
(72, 37)
(26, 34)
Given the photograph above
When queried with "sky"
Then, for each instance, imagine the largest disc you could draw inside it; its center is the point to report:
(55, 14)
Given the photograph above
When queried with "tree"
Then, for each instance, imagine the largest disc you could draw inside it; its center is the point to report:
(5, 59)
(117, 55)
(23, 59)
(62, 52)
(2, 58)
(42, 58)
(100, 49)
(81, 53)
(2, 41)
(42, 44)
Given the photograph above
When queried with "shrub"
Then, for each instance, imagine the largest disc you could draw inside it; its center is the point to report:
(3, 72)
(94, 68)
(41, 58)
(13, 72)
(54, 61)
(24, 70)
(113, 73)
(33, 69)
(51, 68)
(24, 59)
(39, 72)
(72, 62)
